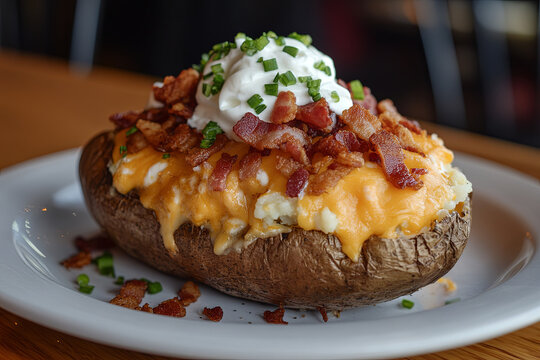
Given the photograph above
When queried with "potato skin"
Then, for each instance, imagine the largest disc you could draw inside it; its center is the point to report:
(302, 269)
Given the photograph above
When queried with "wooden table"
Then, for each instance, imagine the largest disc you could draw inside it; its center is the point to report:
(45, 107)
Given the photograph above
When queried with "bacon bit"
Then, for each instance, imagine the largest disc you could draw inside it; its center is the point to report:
(350, 140)
(321, 164)
(316, 114)
(97, 242)
(351, 159)
(189, 293)
(387, 147)
(262, 135)
(323, 313)
(182, 110)
(412, 125)
(153, 133)
(344, 84)
(249, 165)
(275, 317)
(419, 171)
(218, 178)
(369, 102)
(136, 142)
(146, 308)
(297, 182)
(171, 307)
(196, 156)
(214, 314)
(182, 139)
(129, 118)
(386, 105)
(180, 89)
(78, 260)
(286, 165)
(360, 121)
(390, 123)
(321, 182)
(131, 294)
(284, 108)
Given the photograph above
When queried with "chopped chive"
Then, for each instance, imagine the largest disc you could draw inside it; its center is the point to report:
(210, 131)
(407, 304)
(280, 41)
(305, 39)
(261, 42)
(287, 79)
(276, 78)
(154, 287)
(451, 301)
(217, 69)
(316, 97)
(334, 95)
(314, 83)
(255, 101)
(166, 156)
(208, 75)
(218, 84)
(206, 90)
(323, 67)
(259, 109)
(260, 59)
(123, 150)
(240, 35)
(357, 90)
(82, 281)
(270, 64)
(271, 34)
(248, 47)
(105, 264)
(291, 50)
(119, 280)
(304, 79)
(131, 131)
(271, 89)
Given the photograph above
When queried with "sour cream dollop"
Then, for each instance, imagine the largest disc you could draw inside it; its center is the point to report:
(245, 76)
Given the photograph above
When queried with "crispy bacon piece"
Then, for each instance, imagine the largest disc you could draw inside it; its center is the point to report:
(78, 260)
(391, 122)
(189, 293)
(286, 165)
(129, 118)
(321, 164)
(214, 314)
(351, 159)
(136, 142)
(323, 313)
(196, 156)
(262, 135)
(386, 145)
(284, 108)
(131, 294)
(412, 125)
(316, 114)
(171, 307)
(345, 147)
(178, 89)
(297, 182)
(360, 121)
(152, 132)
(249, 165)
(419, 171)
(275, 317)
(386, 105)
(218, 178)
(322, 182)
(98, 242)
(182, 139)
(183, 110)
(146, 308)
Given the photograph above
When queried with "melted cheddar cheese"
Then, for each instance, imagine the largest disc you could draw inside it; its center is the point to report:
(362, 204)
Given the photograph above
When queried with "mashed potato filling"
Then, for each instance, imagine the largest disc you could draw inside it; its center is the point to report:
(362, 204)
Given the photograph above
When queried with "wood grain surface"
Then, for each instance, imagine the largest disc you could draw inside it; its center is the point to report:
(45, 107)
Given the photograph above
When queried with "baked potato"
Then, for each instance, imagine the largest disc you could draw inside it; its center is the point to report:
(333, 203)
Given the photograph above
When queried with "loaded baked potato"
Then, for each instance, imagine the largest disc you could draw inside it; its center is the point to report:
(321, 198)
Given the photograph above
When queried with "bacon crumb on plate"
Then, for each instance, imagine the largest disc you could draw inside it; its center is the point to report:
(189, 293)
(171, 307)
(275, 317)
(131, 294)
(323, 313)
(213, 314)
(97, 242)
(78, 260)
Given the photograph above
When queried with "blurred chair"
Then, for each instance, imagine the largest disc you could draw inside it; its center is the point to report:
(83, 39)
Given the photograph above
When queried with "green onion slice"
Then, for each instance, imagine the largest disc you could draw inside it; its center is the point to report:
(291, 50)
(270, 64)
(271, 89)
(210, 131)
(280, 41)
(153, 286)
(276, 78)
(166, 156)
(335, 96)
(357, 90)
(305, 39)
(123, 150)
(105, 264)
(255, 101)
(119, 280)
(407, 304)
(287, 79)
(304, 79)
(132, 131)
(217, 69)
(82, 281)
(259, 109)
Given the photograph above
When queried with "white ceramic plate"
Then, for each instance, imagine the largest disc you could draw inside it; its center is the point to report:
(41, 211)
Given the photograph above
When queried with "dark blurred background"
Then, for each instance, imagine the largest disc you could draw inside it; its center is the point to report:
(467, 64)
